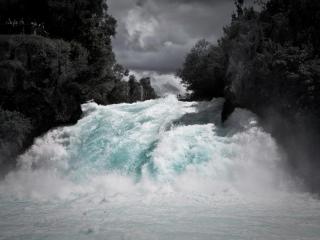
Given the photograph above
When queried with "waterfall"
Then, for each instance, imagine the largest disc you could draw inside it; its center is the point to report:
(159, 141)
(159, 169)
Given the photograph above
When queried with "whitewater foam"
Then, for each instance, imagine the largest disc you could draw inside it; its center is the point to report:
(130, 146)
(160, 169)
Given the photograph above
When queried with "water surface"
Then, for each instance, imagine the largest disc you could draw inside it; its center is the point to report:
(160, 169)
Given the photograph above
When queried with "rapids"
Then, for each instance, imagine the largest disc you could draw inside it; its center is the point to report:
(160, 169)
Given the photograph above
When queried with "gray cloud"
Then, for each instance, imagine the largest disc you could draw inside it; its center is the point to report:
(154, 35)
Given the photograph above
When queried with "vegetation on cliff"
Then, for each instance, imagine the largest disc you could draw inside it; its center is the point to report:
(14, 131)
(268, 61)
(203, 71)
(44, 79)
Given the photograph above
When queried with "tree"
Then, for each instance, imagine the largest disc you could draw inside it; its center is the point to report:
(203, 71)
(84, 21)
(239, 6)
(87, 22)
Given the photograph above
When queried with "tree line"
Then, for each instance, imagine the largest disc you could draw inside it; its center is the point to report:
(271, 48)
(268, 61)
(86, 22)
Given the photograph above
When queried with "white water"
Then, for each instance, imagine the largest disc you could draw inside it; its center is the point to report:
(160, 169)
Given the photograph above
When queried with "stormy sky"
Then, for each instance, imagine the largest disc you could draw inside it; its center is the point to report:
(155, 35)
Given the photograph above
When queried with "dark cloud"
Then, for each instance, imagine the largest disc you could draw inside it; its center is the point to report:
(140, 3)
(155, 35)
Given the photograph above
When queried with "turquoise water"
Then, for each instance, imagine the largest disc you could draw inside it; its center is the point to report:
(160, 169)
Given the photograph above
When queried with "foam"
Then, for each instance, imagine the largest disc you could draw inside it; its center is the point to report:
(143, 149)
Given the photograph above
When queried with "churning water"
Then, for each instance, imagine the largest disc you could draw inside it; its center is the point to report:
(160, 169)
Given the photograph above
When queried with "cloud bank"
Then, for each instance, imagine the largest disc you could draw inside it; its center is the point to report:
(155, 35)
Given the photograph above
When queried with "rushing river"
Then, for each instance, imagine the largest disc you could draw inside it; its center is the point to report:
(160, 169)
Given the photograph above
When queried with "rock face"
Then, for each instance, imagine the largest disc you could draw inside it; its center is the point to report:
(42, 85)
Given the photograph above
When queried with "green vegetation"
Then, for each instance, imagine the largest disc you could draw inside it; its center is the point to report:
(85, 22)
(203, 71)
(44, 78)
(268, 57)
(270, 64)
(14, 128)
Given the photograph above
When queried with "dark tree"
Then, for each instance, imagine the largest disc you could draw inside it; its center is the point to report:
(84, 21)
(203, 71)
(271, 60)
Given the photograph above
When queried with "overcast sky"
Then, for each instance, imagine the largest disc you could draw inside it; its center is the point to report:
(155, 35)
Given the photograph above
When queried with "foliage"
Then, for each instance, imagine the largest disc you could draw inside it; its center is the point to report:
(266, 58)
(203, 71)
(44, 80)
(14, 129)
(84, 21)
(272, 67)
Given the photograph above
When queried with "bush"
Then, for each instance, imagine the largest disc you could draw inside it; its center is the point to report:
(14, 132)
(203, 71)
